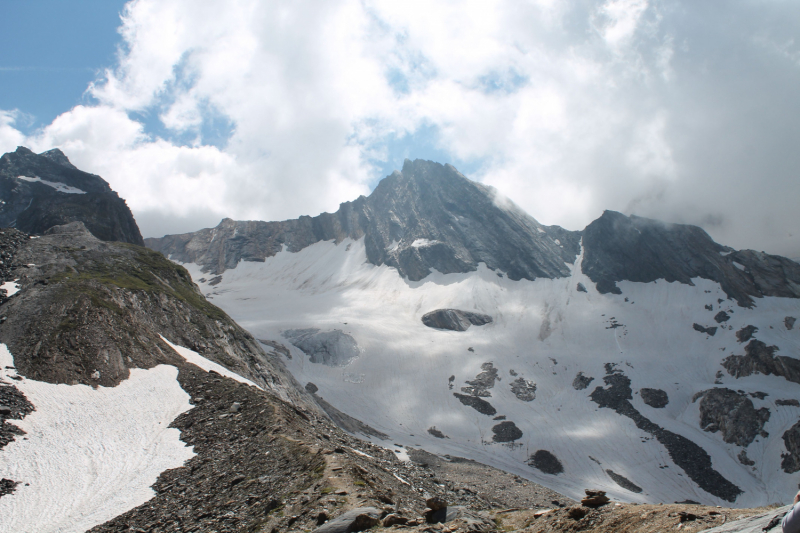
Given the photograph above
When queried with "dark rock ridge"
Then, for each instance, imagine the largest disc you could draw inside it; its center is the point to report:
(732, 413)
(38, 203)
(624, 482)
(761, 359)
(791, 402)
(687, 455)
(332, 348)
(454, 319)
(618, 248)
(790, 461)
(656, 398)
(428, 216)
(546, 462)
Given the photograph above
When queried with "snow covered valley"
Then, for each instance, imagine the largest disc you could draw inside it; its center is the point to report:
(565, 386)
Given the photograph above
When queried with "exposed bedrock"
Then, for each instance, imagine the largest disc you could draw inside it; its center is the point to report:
(617, 248)
(624, 482)
(506, 432)
(791, 402)
(687, 455)
(789, 322)
(791, 459)
(746, 333)
(731, 413)
(721, 317)
(581, 381)
(523, 389)
(39, 199)
(454, 319)
(709, 331)
(656, 398)
(331, 348)
(484, 381)
(760, 359)
(479, 404)
(546, 462)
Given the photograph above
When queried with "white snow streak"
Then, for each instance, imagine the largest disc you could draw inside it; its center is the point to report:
(60, 187)
(197, 359)
(90, 454)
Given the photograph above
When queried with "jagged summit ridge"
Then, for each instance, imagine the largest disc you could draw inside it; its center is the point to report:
(40, 191)
(430, 217)
(426, 217)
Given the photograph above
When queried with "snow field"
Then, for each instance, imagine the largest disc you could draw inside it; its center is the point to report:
(89, 454)
(546, 331)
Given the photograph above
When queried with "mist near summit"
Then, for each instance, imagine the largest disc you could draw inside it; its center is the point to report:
(680, 111)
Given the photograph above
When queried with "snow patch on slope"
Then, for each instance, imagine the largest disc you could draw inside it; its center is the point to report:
(60, 187)
(89, 454)
(548, 332)
(206, 364)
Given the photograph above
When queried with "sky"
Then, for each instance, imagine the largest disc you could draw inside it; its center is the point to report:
(195, 110)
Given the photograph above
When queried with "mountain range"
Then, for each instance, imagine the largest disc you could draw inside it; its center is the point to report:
(478, 356)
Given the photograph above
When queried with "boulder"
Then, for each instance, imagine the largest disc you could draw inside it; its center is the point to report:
(359, 519)
(595, 498)
(454, 319)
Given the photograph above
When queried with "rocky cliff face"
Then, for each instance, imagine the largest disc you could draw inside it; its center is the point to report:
(618, 248)
(426, 217)
(39, 191)
(429, 216)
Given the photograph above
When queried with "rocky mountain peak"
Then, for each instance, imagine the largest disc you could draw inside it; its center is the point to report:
(39, 191)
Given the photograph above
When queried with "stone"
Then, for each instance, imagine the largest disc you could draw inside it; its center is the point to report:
(359, 519)
(236, 407)
(655, 398)
(595, 498)
(5, 410)
(581, 287)
(479, 404)
(523, 389)
(789, 322)
(454, 319)
(394, 519)
(721, 317)
(435, 503)
(746, 333)
(711, 331)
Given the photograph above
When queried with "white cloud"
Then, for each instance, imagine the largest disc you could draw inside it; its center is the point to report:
(567, 107)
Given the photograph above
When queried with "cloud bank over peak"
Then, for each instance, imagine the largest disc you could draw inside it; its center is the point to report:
(270, 110)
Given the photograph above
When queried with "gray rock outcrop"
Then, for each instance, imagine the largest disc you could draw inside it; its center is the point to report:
(546, 462)
(617, 248)
(454, 319)
(790, 461)
(656, 398)
(358, 519)
(506, 432)
(524, 389)
(581, 381)
(731, 413)
(761, 359)
(331, 348)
